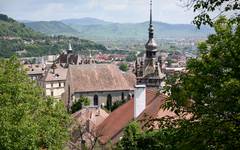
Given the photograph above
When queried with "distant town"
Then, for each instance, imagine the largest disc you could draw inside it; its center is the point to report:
(87, 83)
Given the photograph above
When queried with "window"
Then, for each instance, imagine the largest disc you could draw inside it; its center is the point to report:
(109, 101)
(129, 96)
(95, 100)
(52, 93)
(69, 98)
(51, 84)
(59, 84)
(122, 95)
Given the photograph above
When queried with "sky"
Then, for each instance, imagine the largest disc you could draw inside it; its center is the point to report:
(122, 11)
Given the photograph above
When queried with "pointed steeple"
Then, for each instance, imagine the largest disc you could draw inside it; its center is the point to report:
(150, 29)
(151, 45)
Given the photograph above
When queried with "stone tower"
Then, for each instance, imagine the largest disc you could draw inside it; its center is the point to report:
(148, 70)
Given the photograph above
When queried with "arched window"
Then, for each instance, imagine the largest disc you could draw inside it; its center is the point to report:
(69, 98)
(122, 95)
(95, 100)
(109, 101)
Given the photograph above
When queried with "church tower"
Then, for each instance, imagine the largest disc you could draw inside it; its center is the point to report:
(149, 72)
(151, 48)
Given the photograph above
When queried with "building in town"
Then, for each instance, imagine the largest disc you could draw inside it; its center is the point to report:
(51, 73)
(36, 72)
(68, 57)
(54, 81)
(103, 84)
(83, 129)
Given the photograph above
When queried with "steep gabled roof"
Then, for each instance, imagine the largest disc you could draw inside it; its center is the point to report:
(123, 115)
(97, 77)
(60, 74)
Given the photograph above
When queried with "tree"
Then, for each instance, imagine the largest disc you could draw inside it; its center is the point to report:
(123, 67)
(131, 134)
(83, 101)
(131, 57)
(209, 10)
(208, 94)
(117, 104)
(28, 120)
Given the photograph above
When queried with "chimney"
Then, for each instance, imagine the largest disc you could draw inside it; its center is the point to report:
(139, 100)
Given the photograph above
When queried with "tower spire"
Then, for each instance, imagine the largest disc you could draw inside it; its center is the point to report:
(151, 44)
(150, 12)
(150, 29)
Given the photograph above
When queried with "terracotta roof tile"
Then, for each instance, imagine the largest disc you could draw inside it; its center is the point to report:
(95, 115)
(121, 117)
(33, 69)
(117, 120)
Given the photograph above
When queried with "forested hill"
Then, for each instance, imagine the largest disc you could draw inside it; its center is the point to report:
(11, 28)
(52, 28)
(96, 29)
(16, 38)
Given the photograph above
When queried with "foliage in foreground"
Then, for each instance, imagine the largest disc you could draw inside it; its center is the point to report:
(83, 101)
(117, 104)
(209, 93)
(28, 121)
(209, 10)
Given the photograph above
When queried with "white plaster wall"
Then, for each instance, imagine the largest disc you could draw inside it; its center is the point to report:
(58, 89)
(48, 85)
(139, 99)
(102, 96)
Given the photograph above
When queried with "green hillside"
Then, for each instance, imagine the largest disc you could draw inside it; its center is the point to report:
(95, 29)
(52, 28)
(12, 28)
(85, 21)
(139, 31)
(16, 38)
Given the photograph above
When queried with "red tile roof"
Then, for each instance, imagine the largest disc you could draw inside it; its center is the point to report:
(122, 116)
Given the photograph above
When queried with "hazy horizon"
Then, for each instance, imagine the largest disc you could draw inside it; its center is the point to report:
(119, 11)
